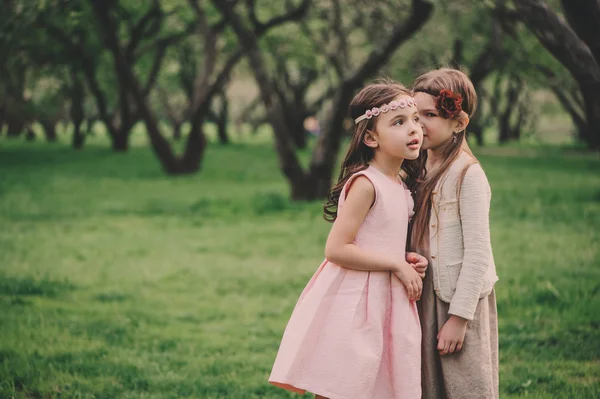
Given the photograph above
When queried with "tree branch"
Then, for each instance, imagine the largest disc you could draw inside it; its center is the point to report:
(584, 17)
(559, 39)
(140, 31)
(156, 66)
(421, 10)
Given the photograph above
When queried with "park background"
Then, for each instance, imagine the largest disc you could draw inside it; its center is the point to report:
(163, 166)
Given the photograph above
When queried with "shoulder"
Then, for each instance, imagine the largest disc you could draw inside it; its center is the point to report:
(360, 184)
(359, 193)
(475, 175)
(475, 184)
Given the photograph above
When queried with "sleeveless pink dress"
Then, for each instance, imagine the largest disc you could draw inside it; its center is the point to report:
(355, 334)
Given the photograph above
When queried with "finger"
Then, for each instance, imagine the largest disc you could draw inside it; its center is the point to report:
(440, 345)
(452, 347)
(412, 257)
(444, 345)
(446, 348)
(422, 275)
(409, 288)
(459, 346)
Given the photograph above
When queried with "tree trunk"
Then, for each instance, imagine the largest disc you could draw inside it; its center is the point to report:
(49, 128)
(177, 130)
(584, 17)
(299, 136)
(2, 117)
(313, 186)
(506, 132)
(15, 127)
(89, 126)
(120, 142)
(571, 51)
(30, 135)
(295, 114)
(567, 97)
(194, 149)
(325, 154)
(77, 113)
(294, 109)
(288, 159)
(591, 99)
(476, 129)
(457, 54)
(222, 130)
(221, 119)
(78, 136)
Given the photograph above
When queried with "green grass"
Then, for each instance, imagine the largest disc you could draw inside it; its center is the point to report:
(117, 281)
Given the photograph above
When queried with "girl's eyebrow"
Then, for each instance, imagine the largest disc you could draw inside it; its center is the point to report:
(430, 110)
(397, 116)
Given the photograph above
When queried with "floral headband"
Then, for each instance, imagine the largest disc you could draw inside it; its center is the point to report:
(376, 111)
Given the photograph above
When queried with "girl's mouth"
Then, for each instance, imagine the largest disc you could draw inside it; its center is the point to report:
(414, 144)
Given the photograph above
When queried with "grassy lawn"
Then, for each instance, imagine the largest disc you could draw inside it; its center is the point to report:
(119, 282)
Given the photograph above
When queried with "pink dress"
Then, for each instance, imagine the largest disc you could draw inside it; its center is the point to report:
(355, 334)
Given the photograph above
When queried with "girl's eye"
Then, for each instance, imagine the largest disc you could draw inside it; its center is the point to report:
(417, 119)
(431, 114)
(399, 122)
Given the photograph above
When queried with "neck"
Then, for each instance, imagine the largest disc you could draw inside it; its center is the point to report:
(388, 166)
(434, 159)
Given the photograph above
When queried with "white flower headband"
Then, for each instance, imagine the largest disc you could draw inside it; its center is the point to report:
(385, 108)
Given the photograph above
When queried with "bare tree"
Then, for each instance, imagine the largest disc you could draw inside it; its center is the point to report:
(207, 83)
(315, 182)
(85, 57)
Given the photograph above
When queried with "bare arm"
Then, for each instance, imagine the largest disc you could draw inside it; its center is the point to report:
(341, 250)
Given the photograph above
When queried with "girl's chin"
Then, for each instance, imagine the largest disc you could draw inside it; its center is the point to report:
(412, 155)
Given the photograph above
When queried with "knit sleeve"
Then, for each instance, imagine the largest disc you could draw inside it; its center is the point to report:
(475, 198)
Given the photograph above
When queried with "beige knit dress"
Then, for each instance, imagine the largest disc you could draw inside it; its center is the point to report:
(471, 373)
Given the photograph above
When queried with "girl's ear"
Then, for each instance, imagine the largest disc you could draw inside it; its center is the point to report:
(370, 139)
(462, 122)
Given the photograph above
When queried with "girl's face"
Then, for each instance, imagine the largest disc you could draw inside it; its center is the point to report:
(398, 133)
(436, 130)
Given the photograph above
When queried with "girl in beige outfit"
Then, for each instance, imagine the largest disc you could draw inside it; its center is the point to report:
(451, 229)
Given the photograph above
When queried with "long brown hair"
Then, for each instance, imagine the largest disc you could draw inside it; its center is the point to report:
(359, 154)
(432, 83)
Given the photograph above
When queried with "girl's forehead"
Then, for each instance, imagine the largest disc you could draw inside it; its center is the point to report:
(407, 111)
(424, 98)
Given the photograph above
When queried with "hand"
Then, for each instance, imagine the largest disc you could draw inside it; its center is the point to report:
(418, 262)
(452, 335)
(411, 279)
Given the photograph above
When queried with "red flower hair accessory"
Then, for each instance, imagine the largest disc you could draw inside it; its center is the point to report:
(448, 104)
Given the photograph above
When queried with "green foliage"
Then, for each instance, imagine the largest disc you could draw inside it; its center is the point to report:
(116, 281)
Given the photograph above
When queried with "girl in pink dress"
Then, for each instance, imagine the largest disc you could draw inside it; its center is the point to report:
(355, 331)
